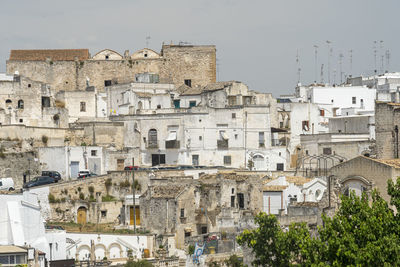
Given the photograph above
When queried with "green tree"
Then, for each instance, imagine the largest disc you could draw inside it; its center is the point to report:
(363, 232)
(140, 263)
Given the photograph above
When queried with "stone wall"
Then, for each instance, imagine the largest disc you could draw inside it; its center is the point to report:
(387, 116)
(177, 63)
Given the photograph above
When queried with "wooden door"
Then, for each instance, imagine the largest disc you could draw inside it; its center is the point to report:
(137, 209)
(81, 218)
(120, 164)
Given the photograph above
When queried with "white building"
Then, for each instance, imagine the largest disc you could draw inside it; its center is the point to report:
(21, 224)
(339, 97)
(69, 160)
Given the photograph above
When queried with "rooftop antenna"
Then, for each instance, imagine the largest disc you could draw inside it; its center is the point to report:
(329, 60)
(387, 54)
(298, 66)
(322, 73)
(375, 57)
(351, 62)
(340, 66)
(217, 61)
(316, 62)
(147, 41)
(334, 76)
(381, 53)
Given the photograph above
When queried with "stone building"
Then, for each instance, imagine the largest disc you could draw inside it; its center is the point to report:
(225, 202)
(31, 103)
(74, 69)
(387, 117)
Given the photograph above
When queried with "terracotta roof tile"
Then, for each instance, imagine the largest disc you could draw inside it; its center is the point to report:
(53, 54)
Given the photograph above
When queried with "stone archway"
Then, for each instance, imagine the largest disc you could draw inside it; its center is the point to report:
(101, 251)
(355, 183)
(83, 252)
(115, 251)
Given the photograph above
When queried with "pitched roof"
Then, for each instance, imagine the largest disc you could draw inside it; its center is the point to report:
(216, 86)
(12, 249)
(192, 91)
(53, 54)
(395, 163)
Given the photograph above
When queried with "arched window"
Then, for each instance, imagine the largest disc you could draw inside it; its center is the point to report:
(140, 105)
(8, 101)
(21, 104)
(153, 138)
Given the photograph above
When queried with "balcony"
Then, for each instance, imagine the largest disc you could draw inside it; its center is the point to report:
(278, 142)
(222, 144)
(173, 144)
(152, 144)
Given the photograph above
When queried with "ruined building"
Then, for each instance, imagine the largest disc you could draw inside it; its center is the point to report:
(74, 69)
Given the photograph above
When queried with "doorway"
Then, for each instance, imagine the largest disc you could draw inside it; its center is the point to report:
(81, 216)
(137, 210)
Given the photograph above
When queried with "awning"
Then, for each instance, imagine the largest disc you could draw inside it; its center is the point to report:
(223, 135)
(171, 136)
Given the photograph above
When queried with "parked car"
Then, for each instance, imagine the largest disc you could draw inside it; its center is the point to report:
(85, 174)
(7, 184)
(39, 180)
(54, 174)
(130, 168)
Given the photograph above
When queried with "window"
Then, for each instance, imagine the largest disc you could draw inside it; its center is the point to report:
(232, 100)
(107, 56)
(261, 141)
(204, 230)
(29, 85)
(327, 151)
(45, 102)
(279, 166)
(158, 106)
(192, 104)
(306, 152)
(232, 201)
(354, 100)
(145, 55)
(331, 100)
(21, 104)
(227, 160)
(305, 125)
(187, 234)
(233, 115)
(103, 213)
(177, 103)
(233, 190)
(362, 103)
(93, 153)
(241, 200)
(153, 138)
(195, 160)
(236, 136)
(21, 120)
(83, 106)
(8, 101)
(200, 138)
(107, 83)
(322, 112)
(182, 213)
(188, 82)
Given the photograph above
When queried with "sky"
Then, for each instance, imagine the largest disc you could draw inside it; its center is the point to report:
(258, 41)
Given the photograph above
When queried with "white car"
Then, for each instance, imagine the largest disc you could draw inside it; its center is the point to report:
(7, 184)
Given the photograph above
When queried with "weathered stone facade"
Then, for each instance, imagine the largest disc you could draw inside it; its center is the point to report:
(175, 64)
(387, 119)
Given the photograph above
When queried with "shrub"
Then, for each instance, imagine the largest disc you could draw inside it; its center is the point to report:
(79, 189)
(191, 249)
(91, 189)
(91, 198)
(108, 182)
(107, 198)
(125, 184)
(45, 139)
(81, 196)
(52, 198)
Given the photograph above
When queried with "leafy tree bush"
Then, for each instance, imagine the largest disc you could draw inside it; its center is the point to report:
(364, 232)
(140, 263)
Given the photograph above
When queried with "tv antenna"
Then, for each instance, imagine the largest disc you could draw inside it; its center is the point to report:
(329, 60)
(351, 62)
(298, 66)
(316, 62)
(322, 73)
(387, 54)
(375, 56)
(381, 53)
(341, 56)
(147, 41)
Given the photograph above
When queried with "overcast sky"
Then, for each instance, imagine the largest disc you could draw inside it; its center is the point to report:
(257, 41)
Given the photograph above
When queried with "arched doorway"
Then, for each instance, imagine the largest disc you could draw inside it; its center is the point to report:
(258, 162)
(81, 215)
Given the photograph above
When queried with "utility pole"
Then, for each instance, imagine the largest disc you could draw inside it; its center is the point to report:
(133, 194)
(316, 62)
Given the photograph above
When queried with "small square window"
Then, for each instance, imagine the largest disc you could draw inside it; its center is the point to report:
(233, 115)
(107, 83)
(227, 160)
(29, 85)
(103, 213)
(327, 151)
(93, 153)
(21, 120)
(279, 166)
(83, 107)
(188, 82)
